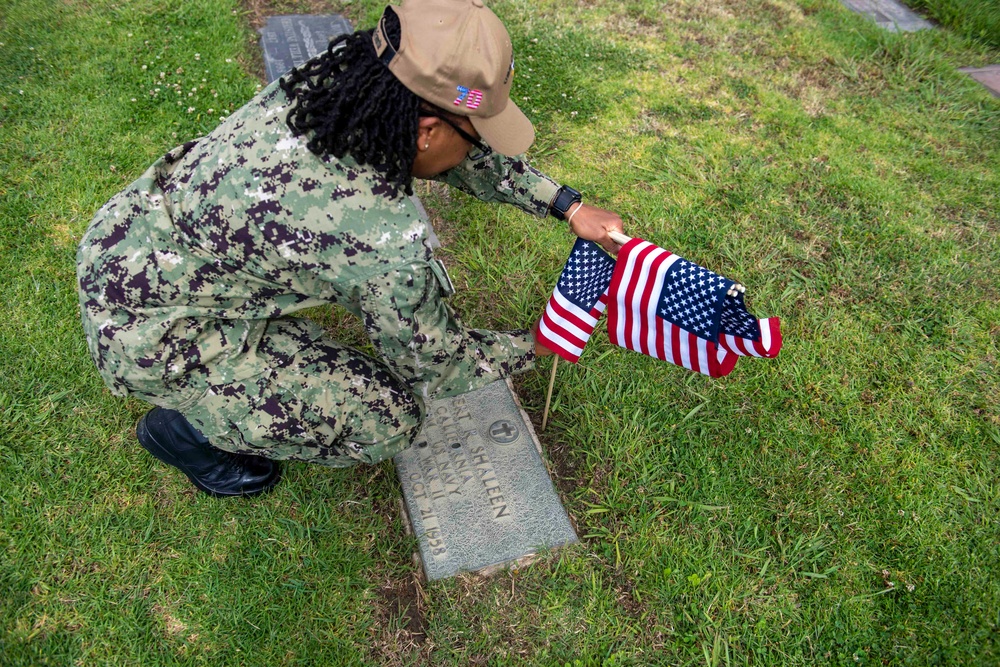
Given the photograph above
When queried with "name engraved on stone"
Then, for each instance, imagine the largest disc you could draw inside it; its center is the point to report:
(488, 476)
(449, 469)
(290, 41)
(475, 487)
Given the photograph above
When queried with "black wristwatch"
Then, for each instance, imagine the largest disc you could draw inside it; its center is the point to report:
(565, 198)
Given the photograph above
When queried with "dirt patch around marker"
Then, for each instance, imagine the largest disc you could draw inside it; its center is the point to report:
(401, 628)
(565, 472)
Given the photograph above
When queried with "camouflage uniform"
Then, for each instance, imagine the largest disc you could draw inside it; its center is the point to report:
(189, 277)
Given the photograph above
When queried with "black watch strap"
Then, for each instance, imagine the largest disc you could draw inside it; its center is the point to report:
(565, 198)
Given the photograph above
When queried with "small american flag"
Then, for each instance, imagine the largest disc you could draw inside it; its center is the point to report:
(671, 309)
(577, 301)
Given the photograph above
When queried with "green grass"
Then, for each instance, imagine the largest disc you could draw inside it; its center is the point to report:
(978, 19)
(837, 505)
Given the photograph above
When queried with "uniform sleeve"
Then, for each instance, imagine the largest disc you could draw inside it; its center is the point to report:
(416, 333)
(507, 180)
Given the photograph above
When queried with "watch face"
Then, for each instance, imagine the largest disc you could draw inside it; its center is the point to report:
(567, 197)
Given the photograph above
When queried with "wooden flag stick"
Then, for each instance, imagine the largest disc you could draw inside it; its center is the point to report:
(548, 395)
(621, 239)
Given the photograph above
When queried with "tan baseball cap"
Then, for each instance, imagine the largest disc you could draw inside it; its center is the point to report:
(457, 55)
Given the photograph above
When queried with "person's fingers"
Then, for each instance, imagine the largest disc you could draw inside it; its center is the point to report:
(610, 244)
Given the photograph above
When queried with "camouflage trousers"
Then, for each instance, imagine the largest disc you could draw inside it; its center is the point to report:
(320, 402)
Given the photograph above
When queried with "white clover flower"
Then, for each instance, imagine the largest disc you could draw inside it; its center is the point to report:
(190, 109)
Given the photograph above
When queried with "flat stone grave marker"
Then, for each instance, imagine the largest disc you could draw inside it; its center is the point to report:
(988, 76)
(475, 487)
(289, 41)
(890, 14)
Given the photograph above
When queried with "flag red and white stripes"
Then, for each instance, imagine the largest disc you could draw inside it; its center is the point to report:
(565, 328)
(633, 322)
(577, 301)
(768, 346)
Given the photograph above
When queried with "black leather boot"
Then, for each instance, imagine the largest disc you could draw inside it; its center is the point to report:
(171, 438)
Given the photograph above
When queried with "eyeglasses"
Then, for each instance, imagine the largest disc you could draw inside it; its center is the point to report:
(483, 148)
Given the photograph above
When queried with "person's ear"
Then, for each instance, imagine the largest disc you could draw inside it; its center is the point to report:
(427, 131)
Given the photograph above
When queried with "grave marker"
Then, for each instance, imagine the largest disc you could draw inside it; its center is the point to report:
(988, 76)
(289, 41)
(475, 487)
(890, 14)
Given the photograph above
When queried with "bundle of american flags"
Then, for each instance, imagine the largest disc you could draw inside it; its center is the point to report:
(659, 304)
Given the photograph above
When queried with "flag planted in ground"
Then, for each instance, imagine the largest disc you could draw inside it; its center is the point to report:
(577, 301)
(671, 309)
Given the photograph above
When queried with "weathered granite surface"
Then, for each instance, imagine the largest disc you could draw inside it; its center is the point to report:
(289, 41)
(475, 487)
(988, 76)
(890, 14)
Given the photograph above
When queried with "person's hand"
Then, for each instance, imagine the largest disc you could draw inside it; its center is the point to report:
(593, 224)
(540, 350)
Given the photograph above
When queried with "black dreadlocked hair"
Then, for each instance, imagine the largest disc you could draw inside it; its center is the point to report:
(348, 102)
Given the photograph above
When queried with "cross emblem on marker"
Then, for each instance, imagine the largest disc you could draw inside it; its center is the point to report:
(503, 431)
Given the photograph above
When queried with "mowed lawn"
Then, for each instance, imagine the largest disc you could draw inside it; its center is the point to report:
(836, 506)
